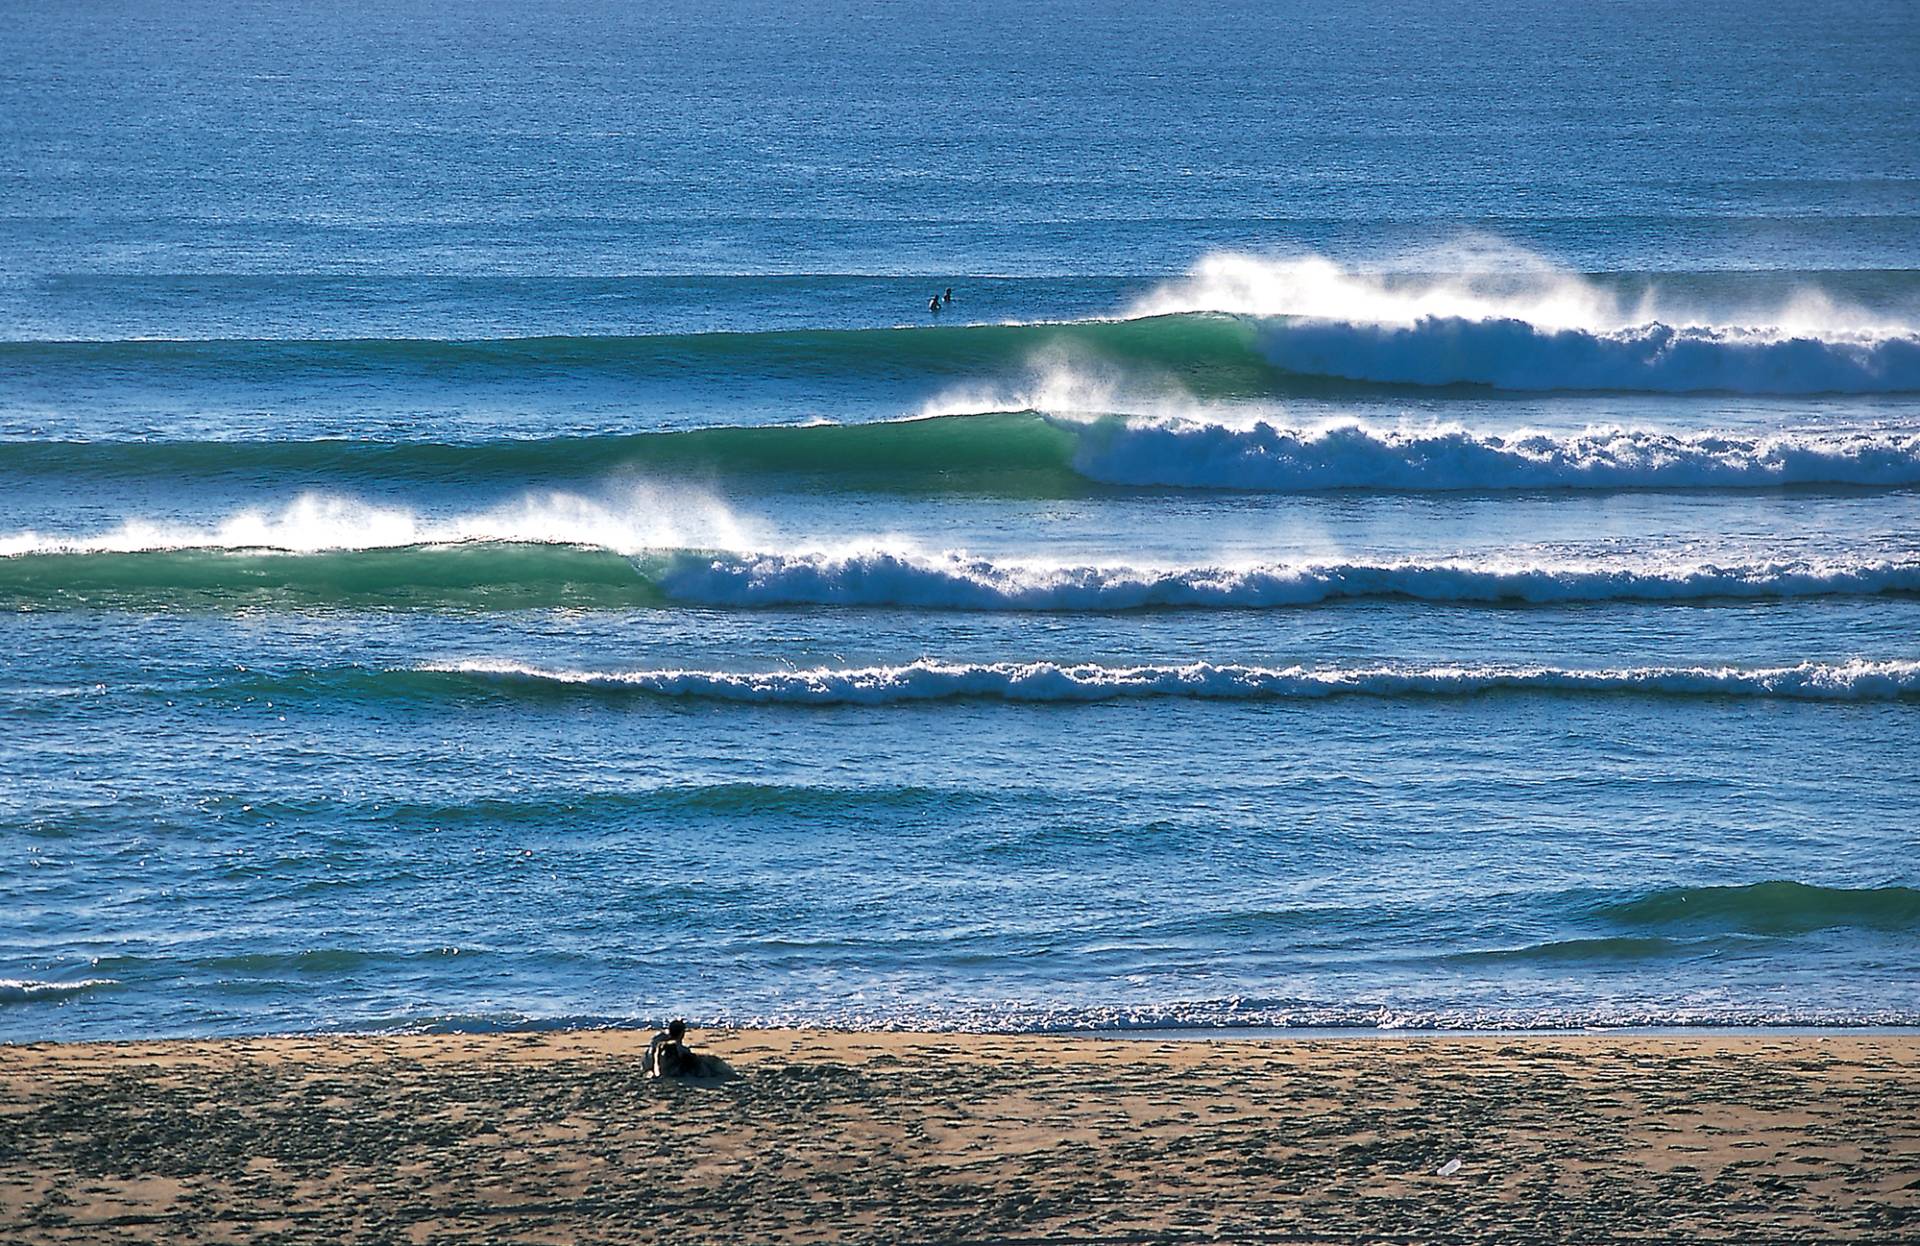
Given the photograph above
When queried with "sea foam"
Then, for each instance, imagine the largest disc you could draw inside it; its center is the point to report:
(555, 563)
(957, 581)
(1037, 440)
(29, 990)
(1268, 456)
(930, 680)
(1515, 321)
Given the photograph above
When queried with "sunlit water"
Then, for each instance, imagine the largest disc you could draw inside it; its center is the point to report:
(493, 535)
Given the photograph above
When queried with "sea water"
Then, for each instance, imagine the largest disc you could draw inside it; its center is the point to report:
(1410, 518)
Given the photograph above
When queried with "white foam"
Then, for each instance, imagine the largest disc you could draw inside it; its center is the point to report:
(24, 990)
(954, 580)
(1264, 455)
(930, 680)
(1514, 320)
(629, 519)
(1516, 354)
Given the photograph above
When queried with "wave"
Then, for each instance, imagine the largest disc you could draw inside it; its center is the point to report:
(996, 451)
(114, 571)
(1355, 456)
(1773, 908)
(1653, 357)
(929, 680)
(30, 990)
(470, 576)
(1237, 325)
(1512, 320)
(956, 581)
(1209, 351)
(1034, 452)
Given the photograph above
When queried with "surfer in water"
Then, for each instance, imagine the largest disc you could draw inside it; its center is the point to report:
(933, 305)
(949, 297)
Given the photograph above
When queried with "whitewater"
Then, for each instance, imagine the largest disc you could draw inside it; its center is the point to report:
(1066, 451)
(1046, 681)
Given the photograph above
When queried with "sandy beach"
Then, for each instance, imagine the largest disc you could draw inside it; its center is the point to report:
(830, 1137)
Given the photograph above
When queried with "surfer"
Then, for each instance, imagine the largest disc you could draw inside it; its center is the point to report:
(933, 304)
(949, 297)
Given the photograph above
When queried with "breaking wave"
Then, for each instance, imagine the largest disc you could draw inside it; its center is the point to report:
(1045, 452)
(427, 565)
(1514, 321)
(956, 581)
(1265, 456)
(1517, 355)
(29, 990)
(1236, 325)
(1050, 682)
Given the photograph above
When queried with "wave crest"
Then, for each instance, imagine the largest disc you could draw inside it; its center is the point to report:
(31, 990)
(929, 680)
(531, 572)
(1513, 320)
(1054, 448)
(956, 581)
(1777, 907)
(1655, 357)
(1355, 456)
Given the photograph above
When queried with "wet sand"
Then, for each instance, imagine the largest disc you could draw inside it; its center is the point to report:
(830, 1137)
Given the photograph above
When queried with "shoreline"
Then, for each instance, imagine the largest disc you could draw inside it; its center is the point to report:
(887, 1136)
(1158, 1034)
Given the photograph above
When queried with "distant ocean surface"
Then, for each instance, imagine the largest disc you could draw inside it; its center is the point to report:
(1411, 517)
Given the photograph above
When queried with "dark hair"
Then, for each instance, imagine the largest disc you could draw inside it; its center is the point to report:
(676, 1030)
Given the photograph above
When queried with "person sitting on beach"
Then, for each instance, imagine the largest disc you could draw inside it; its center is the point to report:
(669, 1056)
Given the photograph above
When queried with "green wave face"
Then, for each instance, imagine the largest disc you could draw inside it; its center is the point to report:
(1770, 908)
(1211, 354)
(489, 576)
(1002, 453)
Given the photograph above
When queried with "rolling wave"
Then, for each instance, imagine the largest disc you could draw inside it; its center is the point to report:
(29, 990)
(1652, 357)
(1266, 457)
(1513, 320)
(1207, 345)
(1714, 921)
(929, 680)
(1210, 351)
(1036, 453)
(1772, 908)
(503, 572)
(1010, 452)
(954, 581)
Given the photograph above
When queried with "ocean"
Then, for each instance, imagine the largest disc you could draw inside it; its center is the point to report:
(1409, 520)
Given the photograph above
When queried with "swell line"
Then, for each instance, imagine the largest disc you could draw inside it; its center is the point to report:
(1032, 452)
(930, 680)
(1210, 352)
(418, 571)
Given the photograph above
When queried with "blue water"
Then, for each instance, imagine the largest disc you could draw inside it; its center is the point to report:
(1410, 518)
